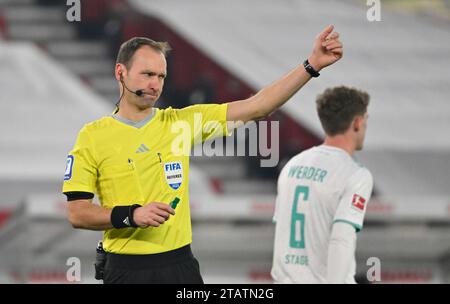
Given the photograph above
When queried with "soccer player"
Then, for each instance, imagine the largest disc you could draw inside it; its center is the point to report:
(322, 197)
(132, 161)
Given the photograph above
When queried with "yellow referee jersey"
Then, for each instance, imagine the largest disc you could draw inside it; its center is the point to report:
(126, 163)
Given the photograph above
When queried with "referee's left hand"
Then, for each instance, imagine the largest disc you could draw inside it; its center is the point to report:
(327, 49)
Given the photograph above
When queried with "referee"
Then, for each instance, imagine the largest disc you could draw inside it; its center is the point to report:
(131, 160)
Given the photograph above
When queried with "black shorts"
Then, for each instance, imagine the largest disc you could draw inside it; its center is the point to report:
(178, 266)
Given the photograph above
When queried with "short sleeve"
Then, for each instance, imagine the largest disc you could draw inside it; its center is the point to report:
(81, 169)
(282, 181)
(353, 203)
(207, 121)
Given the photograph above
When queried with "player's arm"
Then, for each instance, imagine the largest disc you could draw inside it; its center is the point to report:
(347, 221)
(84, 214)
(340, 252)
(327, 50)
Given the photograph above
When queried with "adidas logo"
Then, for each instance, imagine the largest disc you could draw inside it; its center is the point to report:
(142, 148)
(126, 221)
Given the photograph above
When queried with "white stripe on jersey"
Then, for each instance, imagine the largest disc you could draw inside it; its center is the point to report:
(316, 188)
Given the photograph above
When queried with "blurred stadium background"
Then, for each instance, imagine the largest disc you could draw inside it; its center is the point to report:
(56, 75)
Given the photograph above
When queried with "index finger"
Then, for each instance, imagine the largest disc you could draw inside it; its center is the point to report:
(165, 207)
(328, 30)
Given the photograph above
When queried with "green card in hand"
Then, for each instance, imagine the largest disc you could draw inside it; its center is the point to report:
(174, 203)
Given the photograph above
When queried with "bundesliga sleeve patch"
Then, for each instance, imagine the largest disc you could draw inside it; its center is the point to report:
(358, 202)
(69, 165)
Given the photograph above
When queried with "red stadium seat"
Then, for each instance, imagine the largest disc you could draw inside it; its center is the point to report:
(3, 29)
(4, 216)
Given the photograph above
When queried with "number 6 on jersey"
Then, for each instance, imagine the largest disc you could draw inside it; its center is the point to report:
(297, 239)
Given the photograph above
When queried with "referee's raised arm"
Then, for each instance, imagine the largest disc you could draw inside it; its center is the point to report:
(327, 50)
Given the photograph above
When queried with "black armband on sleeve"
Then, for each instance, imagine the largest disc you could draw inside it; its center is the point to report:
(78, 195)
(122, 216)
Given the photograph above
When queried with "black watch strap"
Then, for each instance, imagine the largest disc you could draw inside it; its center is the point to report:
(311, 71)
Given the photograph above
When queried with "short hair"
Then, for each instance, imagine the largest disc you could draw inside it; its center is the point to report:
(338, 106)
(129, 47)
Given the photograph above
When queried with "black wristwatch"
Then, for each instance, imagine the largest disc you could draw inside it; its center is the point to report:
(310, 69)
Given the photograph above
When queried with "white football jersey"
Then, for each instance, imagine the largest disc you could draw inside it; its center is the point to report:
(316, 188)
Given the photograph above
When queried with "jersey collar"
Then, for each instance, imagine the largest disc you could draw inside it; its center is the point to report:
(138, 124)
